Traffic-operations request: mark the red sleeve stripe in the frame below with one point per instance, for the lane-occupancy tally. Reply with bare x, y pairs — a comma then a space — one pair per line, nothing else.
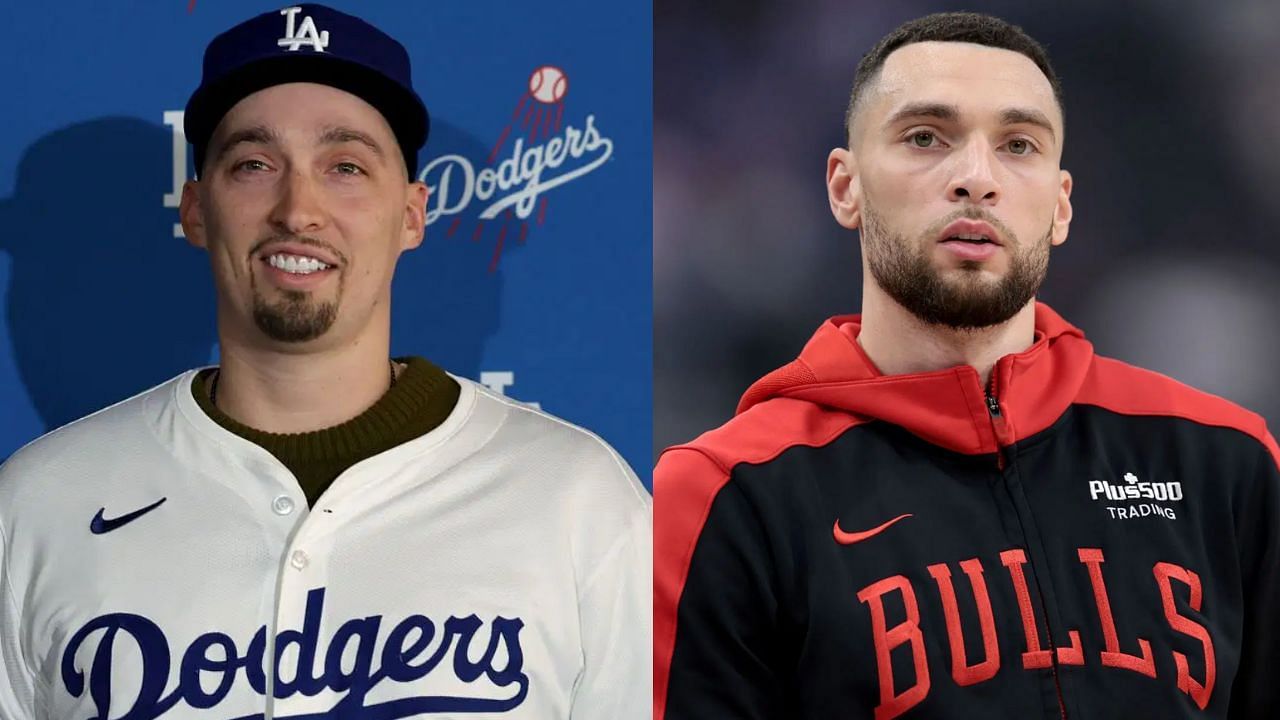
686, 482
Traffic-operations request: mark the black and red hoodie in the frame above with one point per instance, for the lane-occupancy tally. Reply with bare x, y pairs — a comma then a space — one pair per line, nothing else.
1078, 539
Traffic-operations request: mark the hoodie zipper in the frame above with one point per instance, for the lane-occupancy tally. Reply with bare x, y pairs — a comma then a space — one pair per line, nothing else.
998, 425
1001, 428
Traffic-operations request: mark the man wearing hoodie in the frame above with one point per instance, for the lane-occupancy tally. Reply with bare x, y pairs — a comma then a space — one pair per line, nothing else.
949, 506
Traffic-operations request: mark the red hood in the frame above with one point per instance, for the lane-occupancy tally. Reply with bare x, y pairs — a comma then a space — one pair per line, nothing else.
945, 407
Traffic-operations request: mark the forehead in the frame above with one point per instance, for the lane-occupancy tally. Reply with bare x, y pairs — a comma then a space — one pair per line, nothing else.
306, 107
970, 76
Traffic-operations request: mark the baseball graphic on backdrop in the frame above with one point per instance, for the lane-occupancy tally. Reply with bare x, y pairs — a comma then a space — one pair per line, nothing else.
548, 84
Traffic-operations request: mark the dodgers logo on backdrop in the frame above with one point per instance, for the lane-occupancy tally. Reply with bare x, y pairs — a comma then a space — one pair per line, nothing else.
304, 34
352, 661
538, 150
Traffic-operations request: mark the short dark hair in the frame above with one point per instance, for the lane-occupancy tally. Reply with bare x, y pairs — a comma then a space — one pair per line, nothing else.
964, 27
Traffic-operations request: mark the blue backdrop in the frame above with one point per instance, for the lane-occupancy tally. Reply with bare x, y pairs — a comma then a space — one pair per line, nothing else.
535, 275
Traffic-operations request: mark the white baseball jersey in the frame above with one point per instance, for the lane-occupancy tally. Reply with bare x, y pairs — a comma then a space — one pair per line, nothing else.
153, 563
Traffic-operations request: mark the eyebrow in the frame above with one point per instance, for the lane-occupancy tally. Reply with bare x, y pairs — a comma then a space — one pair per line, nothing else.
258, 134
951, 113
263, 135
924, 109
1027, 116
340, 135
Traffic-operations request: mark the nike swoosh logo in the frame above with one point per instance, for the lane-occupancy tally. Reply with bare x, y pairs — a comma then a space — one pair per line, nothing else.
100, 525
849, 538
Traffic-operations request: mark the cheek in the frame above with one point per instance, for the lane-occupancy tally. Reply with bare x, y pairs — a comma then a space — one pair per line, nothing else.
238, 215
904, 204
1039, 183
1047, 202
1031, 198
229, 239
374, 246
896, 178
363, 209
368, 236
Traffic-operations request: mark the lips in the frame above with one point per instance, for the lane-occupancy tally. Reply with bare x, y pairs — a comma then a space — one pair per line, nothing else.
971, 251
970, 231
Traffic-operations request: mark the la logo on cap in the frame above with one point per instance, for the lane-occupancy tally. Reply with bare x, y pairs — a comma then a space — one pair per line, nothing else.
306, 33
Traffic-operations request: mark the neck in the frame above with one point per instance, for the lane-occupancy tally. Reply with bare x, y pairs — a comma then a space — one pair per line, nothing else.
899, 343
295, 393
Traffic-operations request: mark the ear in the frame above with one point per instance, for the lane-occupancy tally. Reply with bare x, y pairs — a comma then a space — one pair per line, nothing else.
415, 216
191, 214
1062, 214
844, 188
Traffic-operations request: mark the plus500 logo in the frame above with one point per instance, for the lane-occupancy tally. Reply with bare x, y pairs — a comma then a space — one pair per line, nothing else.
1134, 489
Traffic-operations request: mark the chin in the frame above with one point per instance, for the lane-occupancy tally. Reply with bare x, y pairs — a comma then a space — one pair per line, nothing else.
969, 273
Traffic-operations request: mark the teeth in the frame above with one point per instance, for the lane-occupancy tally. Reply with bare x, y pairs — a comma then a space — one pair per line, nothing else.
972, 237
296, 264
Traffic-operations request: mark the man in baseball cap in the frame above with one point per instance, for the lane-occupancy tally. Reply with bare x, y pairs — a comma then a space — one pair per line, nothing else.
313, 529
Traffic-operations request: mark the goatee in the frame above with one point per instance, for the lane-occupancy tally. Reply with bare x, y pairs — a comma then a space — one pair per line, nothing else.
294, 319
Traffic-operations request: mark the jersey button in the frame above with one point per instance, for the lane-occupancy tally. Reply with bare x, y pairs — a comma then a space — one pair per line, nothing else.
283, 505
299, 559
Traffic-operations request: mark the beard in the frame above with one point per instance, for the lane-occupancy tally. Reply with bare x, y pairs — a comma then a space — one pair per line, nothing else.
294, 319
905, 271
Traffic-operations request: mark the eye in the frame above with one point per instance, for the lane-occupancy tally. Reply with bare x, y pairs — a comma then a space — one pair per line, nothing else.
348, 168
923, 139
253, 164
1020, 147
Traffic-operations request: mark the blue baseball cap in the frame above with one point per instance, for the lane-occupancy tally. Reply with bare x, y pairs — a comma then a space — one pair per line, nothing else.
308, 43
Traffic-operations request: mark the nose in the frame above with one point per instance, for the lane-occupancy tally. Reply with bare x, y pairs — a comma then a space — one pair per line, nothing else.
299, 209
974, 180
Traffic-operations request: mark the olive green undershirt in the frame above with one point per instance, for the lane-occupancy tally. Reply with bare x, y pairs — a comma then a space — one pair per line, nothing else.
422, 397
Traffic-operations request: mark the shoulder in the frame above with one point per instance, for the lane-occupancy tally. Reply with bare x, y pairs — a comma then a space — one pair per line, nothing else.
757, 436
1128, 390
574, 481
65, 455
689, 477
548, 445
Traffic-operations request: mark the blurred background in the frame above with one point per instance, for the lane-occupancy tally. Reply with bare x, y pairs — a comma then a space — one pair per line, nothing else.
1172, 112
